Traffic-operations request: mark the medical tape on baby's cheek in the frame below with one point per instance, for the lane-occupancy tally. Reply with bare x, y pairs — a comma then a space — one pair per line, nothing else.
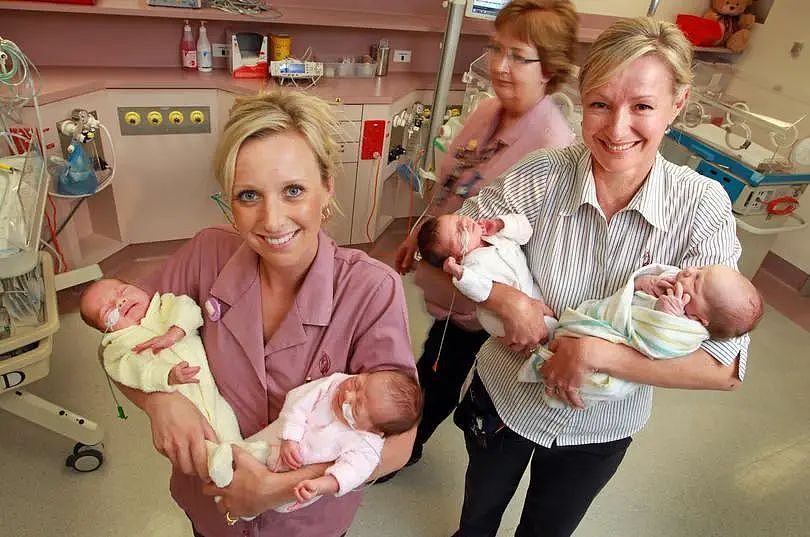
112, 318
347, 413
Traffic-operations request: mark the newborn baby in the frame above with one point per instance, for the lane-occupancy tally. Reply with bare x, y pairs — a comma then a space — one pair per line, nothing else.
173, 360
341, 418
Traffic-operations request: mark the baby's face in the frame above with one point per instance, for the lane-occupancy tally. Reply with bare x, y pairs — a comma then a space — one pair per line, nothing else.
451, 228
364, 393
706, 285
108, 295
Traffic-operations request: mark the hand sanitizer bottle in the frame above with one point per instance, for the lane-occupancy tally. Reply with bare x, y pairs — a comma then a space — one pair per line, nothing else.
203, 50
188, 50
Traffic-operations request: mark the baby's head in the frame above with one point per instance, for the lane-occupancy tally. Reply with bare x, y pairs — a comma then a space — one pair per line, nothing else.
443, 237
384, 402
102, 298
722, 299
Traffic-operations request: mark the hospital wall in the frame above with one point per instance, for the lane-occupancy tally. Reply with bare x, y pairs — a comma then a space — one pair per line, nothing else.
776, 84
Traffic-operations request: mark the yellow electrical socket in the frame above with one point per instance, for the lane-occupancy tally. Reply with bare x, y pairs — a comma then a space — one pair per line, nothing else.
132, 118
154, 117
196, 116
176, 117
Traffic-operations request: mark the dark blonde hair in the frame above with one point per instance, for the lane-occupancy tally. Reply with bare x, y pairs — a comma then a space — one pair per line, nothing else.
628, 40
276, 112
551, 27
403, 403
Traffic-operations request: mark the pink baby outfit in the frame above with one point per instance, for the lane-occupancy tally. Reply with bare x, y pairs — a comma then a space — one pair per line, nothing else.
308, 418
349, 316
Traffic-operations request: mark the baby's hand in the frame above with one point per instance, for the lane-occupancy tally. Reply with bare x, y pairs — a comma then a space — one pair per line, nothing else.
674, 301
490, 226
158, 343
656, 286
183, 373
290, 454
452, 267
306, 490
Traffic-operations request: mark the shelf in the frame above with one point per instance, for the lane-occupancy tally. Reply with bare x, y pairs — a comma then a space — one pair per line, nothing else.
590, 25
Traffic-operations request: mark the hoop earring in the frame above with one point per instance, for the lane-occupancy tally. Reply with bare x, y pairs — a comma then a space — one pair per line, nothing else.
326, 213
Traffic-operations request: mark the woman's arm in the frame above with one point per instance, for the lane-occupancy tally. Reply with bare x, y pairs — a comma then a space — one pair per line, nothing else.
522, 317
255, 489
396, 452
576, 358
179, 430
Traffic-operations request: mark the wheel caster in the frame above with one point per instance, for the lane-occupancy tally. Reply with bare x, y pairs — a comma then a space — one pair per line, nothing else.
84, 458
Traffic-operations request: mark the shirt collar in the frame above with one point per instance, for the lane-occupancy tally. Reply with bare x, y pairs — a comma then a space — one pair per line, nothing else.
649, 201
531, 121
313, 303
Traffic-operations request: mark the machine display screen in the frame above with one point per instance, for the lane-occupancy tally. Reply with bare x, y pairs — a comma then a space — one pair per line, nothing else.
292, 68
484, 9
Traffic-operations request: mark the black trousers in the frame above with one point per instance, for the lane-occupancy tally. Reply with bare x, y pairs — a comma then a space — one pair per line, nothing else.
443, 386
564, 480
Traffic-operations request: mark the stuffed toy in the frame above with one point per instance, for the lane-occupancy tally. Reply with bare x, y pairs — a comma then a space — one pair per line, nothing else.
736, 22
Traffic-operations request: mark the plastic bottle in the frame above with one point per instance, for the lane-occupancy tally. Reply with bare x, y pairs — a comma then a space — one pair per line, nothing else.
188, 50
203, 50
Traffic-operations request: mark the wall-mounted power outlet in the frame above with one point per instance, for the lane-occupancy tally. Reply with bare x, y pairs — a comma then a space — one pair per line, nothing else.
402, 56
220, 50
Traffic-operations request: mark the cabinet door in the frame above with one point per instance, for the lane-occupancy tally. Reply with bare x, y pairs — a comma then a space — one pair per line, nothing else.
339, 226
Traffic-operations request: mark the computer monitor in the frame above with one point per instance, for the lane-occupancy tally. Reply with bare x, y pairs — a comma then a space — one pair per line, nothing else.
484, 9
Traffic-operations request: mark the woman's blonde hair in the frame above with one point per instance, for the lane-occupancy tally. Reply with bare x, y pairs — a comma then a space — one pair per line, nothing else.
272, 113
629, 39
551, 27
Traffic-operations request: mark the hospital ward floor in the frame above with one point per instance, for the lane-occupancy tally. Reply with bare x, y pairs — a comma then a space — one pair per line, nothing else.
708, 463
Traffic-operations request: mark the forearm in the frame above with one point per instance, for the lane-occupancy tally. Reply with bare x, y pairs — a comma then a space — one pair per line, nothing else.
395, 453
278, 488
697, 371
502, 299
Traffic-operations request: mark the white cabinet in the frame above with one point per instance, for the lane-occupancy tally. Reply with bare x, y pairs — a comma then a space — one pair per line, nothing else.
339, 225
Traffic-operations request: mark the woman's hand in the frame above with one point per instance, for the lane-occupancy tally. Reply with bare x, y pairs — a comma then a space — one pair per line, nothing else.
253, 490
405, 261
567, 370
179, 432
522, 318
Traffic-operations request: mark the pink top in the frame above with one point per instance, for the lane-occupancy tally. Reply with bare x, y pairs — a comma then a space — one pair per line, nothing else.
349, 316
543, 126
308, 417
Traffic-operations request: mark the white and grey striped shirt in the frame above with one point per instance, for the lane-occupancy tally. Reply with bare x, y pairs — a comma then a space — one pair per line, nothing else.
678, 217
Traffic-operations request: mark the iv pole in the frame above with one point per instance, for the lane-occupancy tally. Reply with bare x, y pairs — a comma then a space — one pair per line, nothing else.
455, 17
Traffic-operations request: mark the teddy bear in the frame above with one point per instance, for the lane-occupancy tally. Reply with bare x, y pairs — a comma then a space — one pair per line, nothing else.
735, 21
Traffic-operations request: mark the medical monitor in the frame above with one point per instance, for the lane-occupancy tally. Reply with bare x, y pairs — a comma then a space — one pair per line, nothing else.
484, 9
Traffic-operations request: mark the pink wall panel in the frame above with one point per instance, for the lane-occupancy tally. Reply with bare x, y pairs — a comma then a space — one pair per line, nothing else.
105, 40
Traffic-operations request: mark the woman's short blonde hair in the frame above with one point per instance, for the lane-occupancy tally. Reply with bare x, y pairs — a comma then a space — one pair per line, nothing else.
629, 39
272, 113
551, 27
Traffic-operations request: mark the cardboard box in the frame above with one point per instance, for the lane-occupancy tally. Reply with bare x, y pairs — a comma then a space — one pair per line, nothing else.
248, 57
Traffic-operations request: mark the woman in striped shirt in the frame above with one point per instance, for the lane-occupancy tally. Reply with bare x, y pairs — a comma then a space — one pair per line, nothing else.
600, 211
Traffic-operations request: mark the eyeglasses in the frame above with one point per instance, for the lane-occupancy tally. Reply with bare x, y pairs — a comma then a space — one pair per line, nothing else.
496, 52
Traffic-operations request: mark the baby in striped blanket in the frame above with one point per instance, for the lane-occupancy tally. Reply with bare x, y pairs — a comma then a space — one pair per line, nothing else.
663, 312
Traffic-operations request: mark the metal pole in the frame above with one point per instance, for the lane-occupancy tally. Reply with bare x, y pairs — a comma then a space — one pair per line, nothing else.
455, 16
653, 7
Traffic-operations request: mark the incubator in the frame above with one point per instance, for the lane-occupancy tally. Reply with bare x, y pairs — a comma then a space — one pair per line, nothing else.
28, 312
759, 160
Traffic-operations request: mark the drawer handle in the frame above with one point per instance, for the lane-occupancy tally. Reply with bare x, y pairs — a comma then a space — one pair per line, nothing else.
342, 148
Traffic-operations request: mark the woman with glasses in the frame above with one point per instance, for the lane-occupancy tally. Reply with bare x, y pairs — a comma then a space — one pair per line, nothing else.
531, 55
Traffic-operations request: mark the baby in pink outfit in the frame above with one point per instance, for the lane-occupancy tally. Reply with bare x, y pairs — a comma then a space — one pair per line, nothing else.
341, 418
